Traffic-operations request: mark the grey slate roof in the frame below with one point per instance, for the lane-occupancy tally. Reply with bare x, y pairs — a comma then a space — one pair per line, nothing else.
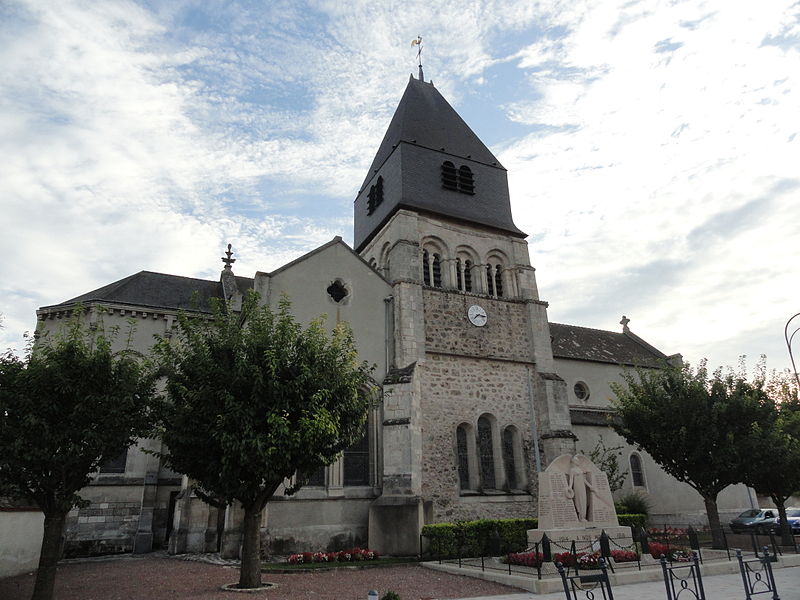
158, 290
425, 118
583, 343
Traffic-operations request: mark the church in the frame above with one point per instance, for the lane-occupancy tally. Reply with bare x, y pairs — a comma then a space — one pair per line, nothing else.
480, 390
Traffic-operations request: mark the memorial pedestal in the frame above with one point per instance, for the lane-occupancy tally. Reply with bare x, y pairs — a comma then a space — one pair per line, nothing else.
620, 534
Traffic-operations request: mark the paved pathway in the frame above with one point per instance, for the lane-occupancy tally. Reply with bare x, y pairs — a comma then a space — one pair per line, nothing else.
717, 587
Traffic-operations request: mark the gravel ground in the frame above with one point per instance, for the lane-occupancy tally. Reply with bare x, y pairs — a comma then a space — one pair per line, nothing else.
159, 578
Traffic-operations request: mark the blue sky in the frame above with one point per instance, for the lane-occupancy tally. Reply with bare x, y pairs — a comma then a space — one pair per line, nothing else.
652, 146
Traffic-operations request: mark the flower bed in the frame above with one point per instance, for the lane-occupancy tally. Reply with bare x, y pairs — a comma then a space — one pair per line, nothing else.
352, 555
672, 552
584, 560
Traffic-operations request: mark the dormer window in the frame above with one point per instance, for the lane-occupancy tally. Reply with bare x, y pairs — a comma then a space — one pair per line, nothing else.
458, 180
449, 176
375, 196
466, 185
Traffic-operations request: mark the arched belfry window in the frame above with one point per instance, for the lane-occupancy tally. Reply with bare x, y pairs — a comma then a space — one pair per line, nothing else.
457, 179
375, 196
426, 272
486, 454
467, 275
494, 280
436, 270
449, 176
466, 183
637, 472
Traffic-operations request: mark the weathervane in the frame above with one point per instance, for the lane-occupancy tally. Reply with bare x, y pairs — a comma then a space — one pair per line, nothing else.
228, 261
418, 43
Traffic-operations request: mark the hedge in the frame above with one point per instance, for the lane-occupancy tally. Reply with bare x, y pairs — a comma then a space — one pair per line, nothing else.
484, 537
491, 537
633, 521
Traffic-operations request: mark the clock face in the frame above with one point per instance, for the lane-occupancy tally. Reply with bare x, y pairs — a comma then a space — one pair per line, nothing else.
477, 316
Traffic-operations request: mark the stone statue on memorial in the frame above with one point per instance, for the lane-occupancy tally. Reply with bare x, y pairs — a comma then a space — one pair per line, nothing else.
579, 489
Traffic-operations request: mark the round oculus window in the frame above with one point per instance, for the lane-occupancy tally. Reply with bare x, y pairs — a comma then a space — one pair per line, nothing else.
581, 391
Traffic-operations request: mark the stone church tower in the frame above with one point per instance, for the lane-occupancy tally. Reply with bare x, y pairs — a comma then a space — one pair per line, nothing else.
472, 404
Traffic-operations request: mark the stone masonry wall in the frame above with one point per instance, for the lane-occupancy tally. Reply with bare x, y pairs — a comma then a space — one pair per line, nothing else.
448, 330
470, 371
101, 528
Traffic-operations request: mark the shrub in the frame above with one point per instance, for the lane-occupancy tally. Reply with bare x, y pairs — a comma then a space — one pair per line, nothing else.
477, 538
390, 595
634, 521
633, 503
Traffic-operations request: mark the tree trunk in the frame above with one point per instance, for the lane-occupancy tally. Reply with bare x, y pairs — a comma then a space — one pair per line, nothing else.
717, 537
250, 574
786, 528
49, 556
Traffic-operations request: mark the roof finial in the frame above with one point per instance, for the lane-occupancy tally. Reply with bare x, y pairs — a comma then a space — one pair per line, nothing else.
624, 322
418, 43
229, 261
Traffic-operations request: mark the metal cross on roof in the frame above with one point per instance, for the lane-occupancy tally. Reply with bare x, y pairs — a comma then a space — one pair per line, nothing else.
228, 261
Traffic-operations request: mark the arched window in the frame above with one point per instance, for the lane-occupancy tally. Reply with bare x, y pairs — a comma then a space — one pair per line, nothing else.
426, 272
375, 196
462, 450
467, 275
459, 277
486, 454
466, 183
356, 462
637, 472
436, 271
498, 281
509, 458
449, 176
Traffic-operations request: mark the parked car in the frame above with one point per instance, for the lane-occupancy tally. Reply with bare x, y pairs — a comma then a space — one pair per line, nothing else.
759, 520
793, 516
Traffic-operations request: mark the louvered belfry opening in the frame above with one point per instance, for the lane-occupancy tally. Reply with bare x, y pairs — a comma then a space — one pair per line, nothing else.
449, 176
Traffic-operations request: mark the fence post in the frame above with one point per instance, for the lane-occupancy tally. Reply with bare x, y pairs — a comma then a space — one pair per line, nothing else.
643, 540
547, 554
694, 543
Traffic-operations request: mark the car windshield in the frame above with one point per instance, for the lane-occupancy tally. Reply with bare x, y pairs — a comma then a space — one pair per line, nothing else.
793, 512
748, 514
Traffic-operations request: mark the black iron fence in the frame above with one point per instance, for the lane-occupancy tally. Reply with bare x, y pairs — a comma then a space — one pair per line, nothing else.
645, 546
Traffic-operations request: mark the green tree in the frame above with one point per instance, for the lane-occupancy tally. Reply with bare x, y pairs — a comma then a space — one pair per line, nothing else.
70, 405
698, 427
774, 466
255, 399
607, 460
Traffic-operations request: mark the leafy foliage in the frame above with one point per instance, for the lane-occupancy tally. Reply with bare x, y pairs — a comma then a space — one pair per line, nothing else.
698, 427
66, 408
255, 399
607, 460
774, 466
633, 502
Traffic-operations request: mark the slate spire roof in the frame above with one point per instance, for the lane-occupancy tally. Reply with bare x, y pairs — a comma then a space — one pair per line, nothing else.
426, 119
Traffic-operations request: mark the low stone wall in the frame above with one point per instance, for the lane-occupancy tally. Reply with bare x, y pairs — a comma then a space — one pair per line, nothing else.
20, 540
101, 528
